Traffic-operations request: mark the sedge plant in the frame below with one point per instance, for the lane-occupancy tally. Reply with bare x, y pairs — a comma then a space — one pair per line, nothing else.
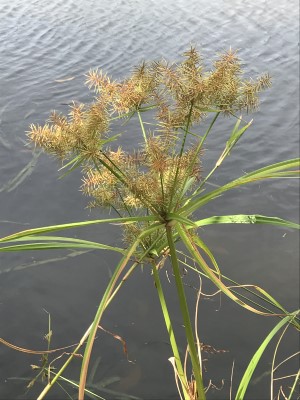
156, 189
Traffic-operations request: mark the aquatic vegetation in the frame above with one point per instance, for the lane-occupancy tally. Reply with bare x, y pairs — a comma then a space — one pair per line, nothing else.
156, 188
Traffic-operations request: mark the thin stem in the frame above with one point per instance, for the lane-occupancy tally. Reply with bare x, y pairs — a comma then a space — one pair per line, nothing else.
185, 315
94, 395
198, 149
273, 361
124, 204
135, 264
114, 208
142, 127
162, 187
124, 182
101, 161
126, 276
294, 385
201, 143
180, 154
210, 273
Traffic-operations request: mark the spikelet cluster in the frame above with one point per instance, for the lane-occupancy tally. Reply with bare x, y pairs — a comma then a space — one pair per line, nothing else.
130, 94
178, 91
155, 177
81, 133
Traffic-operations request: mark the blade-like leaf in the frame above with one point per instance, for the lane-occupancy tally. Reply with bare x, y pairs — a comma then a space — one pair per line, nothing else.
109, 289
246, 219
53, 242
75, 163
211, 274
203, 246
234, 138
53, 228
282, 169
255, 359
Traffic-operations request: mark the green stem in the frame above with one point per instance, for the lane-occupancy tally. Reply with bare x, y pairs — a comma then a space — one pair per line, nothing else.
200, 145
180, 371
180, 155
185, 315
124, 182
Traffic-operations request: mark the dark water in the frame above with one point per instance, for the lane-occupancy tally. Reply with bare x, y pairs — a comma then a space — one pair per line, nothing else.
43, 41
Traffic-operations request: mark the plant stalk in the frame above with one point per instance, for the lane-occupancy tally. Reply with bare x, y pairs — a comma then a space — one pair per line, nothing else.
180, 371
186, 316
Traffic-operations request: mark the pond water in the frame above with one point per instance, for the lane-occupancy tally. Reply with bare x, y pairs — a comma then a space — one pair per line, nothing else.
43, 43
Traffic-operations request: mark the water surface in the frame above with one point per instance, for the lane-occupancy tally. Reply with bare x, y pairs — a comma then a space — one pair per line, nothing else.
44, 42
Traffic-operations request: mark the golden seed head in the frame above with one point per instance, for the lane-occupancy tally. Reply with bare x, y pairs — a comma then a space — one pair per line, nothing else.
152, 176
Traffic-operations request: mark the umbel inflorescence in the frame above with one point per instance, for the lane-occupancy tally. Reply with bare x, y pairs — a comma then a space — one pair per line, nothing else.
157, 176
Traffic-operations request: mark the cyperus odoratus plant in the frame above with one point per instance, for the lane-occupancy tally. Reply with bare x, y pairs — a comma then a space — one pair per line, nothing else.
155, 188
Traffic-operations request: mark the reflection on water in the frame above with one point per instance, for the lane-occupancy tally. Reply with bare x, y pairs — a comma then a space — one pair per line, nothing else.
46, 48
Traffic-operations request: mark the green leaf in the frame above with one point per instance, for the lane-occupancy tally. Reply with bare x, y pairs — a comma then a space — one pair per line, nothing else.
191, 246
278, 170
71, 162
104, 301
246, 219
53, 228
234, 138
147, 108
54, 242
187, 185
255, 359
204, 247
296, 381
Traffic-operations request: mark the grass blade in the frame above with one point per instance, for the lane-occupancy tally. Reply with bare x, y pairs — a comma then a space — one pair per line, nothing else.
105, 299
255, 359
53, 242
246, 219
53, 228
279, 170
211, 274
294, 385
